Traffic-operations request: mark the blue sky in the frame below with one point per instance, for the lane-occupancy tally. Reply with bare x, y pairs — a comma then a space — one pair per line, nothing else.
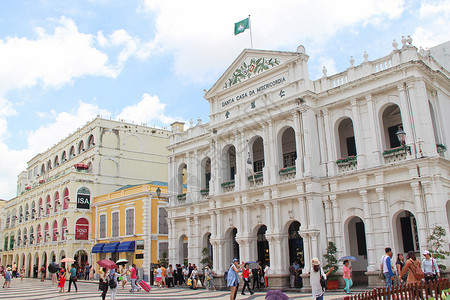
148, 61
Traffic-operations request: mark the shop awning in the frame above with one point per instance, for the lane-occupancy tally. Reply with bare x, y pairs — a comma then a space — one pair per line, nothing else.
126, 246
98, 248
111, 247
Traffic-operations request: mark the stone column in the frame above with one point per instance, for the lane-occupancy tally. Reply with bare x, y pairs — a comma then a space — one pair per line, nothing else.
375, 149
369, 232
214, 159
241, 160
298, 145
267, 160
360, 151
273, 152
420, 217
386, 228
337, 221
405, 110
328, 218
330, 143
304, 115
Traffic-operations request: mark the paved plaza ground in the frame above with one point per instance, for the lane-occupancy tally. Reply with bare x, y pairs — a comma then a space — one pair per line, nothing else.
30, 289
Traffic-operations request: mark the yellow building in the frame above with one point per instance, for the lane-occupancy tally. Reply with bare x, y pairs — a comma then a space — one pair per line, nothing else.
131, 223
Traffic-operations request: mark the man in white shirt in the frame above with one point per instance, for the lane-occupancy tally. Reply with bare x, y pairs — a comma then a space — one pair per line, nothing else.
430, 267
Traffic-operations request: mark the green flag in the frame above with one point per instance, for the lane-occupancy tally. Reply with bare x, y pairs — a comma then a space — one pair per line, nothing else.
241, 26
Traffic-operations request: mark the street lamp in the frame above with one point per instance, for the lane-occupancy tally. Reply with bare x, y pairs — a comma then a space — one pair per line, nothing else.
158, 192
401, 135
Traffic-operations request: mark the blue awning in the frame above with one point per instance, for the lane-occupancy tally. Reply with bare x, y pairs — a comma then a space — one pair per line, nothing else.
111, 247
126, 247
98, 248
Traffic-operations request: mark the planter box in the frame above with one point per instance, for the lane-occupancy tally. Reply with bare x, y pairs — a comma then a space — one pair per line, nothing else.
332, 284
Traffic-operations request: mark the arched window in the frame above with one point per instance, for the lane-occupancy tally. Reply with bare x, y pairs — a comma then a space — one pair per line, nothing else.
8, 220
25, 236
56, 203
64, 157
31, 235
42, 169
20, 214
55, 232
41, 209
83, 198
38, 234
72, 152
288, 148
91, 141
49, 165
66, 198
347, 145
48, 205
19, 238
33, 210
46, 232
56, 161
27, 212
64, 229
392, 122
81, 147
82, 229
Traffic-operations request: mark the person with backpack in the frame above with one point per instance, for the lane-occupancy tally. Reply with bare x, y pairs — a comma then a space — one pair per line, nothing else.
113, 282
413, 266
103, 284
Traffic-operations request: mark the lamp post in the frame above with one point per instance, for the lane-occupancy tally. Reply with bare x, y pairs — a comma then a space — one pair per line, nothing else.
401, 135
158, 192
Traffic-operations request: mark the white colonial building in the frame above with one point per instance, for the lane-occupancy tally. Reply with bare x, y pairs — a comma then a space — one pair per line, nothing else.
51, 217
287, 164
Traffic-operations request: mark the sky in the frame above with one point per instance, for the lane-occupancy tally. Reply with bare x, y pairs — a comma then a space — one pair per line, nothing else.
64, 62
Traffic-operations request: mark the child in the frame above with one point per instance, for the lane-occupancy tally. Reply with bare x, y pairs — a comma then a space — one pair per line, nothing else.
62, 280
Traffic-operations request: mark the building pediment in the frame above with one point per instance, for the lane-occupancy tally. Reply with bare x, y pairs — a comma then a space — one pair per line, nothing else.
248, 65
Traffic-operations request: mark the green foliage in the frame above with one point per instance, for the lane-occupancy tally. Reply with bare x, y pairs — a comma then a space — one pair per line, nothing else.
163, 261
331, 260
444, 295
436, 241
207, 260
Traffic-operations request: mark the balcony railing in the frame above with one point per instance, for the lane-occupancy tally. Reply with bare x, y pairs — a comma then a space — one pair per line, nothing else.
395, 154
228, 186
204, 192
347, 164
181, 197
287, 173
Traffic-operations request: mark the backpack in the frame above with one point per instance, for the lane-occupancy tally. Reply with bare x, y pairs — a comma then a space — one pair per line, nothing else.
417, 272
112, 283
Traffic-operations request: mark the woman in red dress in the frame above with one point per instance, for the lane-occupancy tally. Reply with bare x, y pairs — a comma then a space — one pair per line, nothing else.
62, 279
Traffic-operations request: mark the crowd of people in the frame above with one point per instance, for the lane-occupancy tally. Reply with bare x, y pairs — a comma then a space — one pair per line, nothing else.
254, 277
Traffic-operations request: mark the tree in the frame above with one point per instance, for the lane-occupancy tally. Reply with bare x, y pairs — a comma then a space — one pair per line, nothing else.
436, 241
207, 260
163, 261
331, 261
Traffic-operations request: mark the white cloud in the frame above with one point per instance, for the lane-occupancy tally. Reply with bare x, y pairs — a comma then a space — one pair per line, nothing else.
200, 34
435, 25
148, 110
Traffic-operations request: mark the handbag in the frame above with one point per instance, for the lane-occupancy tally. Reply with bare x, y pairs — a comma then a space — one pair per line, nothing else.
189, 282
323, 281
381, 275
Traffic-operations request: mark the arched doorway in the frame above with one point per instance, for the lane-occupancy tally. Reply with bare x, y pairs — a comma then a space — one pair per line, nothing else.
36, 265
263, 246
207, 250
183, 249
356, 241
81, 257
234, 245
405, 232
296, 245
29, 268
44, 260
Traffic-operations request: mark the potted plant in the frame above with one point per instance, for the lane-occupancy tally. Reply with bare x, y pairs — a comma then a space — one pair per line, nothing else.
332, 279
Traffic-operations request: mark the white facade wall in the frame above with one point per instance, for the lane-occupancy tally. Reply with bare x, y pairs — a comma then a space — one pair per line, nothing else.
326, 195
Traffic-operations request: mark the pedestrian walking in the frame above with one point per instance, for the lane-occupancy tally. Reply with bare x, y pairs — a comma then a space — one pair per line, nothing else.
87, 268
347, 276
185, 274
315, 274
209, 279
399, 264
91, 273
412, 266
233, 278
14, 270
54, 279
22, 273
35, 271
104, 283
42, 271
124, 274
266, 279
158, 275
73, 278
62, 280
430, 269
163, 276
246, 277
256, 273
8, 275
194, 277
113, 282
133, 277
387, 267
170, 274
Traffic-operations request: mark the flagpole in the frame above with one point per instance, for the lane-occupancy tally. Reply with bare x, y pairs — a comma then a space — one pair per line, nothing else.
250, 25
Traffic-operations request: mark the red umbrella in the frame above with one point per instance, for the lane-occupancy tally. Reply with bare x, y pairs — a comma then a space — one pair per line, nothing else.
106, 263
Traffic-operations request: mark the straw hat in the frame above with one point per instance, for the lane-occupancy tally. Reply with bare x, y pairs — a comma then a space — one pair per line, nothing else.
315, 261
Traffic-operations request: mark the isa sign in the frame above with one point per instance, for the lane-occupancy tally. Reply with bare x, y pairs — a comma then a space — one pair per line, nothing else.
83, 201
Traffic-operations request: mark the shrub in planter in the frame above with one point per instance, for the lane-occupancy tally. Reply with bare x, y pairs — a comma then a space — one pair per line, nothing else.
331, 261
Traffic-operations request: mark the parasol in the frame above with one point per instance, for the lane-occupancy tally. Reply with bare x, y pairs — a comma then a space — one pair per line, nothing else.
108, 264
53, 267
121, 261
350, 258
252, 264
67, 259
276, 295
